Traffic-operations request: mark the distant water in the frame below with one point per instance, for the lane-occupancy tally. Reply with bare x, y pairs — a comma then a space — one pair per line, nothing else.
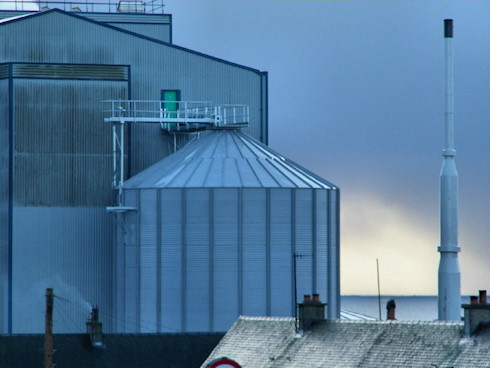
408, 308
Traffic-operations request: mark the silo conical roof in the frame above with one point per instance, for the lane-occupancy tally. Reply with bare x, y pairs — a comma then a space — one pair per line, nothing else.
226, 158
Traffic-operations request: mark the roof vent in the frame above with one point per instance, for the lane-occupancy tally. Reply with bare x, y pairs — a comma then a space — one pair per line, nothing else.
94, 329
476, 314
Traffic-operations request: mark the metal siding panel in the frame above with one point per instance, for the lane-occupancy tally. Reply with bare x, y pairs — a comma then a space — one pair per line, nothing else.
120, 230
69, 250
131, 197
172, 257
4, 72
321, 242
154, 66
225, 262
197, 260
158, 31
60, 38
62, 143
333, 308
126, 229
148, 260
129, 311
303, 231
254, 263
281, 253
4, 203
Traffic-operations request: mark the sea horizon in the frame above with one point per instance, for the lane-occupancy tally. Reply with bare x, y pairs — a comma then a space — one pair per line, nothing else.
408, 307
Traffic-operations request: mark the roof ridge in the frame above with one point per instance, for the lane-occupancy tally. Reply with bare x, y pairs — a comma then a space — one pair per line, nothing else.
344, 321
265, 318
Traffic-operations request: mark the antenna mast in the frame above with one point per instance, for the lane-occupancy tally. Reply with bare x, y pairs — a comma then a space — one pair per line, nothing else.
449, 288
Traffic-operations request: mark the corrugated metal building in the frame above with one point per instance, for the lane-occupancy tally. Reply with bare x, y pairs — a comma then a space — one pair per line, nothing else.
55, 154
222, 228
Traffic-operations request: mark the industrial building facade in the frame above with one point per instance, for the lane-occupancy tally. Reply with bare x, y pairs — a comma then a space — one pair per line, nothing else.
56, 153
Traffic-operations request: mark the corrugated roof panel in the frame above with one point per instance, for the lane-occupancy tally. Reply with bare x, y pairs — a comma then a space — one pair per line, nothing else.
226, 158
231, 175
197, 179
297, 176
266, 177
248, 181
179, 176
214, 176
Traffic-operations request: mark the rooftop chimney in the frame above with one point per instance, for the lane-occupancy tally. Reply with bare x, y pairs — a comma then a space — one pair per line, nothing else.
476, 314
310, 311
483, 297
390, 310
94, 328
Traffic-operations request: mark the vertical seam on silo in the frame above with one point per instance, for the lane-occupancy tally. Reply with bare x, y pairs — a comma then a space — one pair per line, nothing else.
211, 259
159, 260
122, 298
183, 261
268, 250
293, 245
337, 250
10, 201
314, 241
138, 260
240, 251
331, 252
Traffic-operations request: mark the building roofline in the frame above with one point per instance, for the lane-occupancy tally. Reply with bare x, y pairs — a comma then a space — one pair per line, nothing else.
70, 14
364, 322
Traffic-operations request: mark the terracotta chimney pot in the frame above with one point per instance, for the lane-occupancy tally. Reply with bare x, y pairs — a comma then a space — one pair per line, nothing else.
483, 297
390, 308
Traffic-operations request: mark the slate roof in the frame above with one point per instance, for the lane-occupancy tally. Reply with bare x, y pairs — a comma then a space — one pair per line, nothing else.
122, 350
226, 158
272, 342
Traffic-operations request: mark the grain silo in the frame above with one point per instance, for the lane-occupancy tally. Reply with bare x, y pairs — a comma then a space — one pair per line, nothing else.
224, 227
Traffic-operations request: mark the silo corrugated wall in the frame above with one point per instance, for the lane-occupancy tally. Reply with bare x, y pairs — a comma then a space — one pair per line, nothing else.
204, 256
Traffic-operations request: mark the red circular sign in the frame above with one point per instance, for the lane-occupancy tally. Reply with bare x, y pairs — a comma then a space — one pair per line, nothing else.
224, 363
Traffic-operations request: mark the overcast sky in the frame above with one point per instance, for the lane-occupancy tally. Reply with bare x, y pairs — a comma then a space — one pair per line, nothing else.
356, 94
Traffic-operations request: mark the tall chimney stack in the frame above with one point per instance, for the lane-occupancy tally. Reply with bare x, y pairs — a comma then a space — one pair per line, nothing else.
449, 288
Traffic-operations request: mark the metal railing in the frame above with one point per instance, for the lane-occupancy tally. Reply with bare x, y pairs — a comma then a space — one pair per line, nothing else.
107, 6
177, 115
173, 116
